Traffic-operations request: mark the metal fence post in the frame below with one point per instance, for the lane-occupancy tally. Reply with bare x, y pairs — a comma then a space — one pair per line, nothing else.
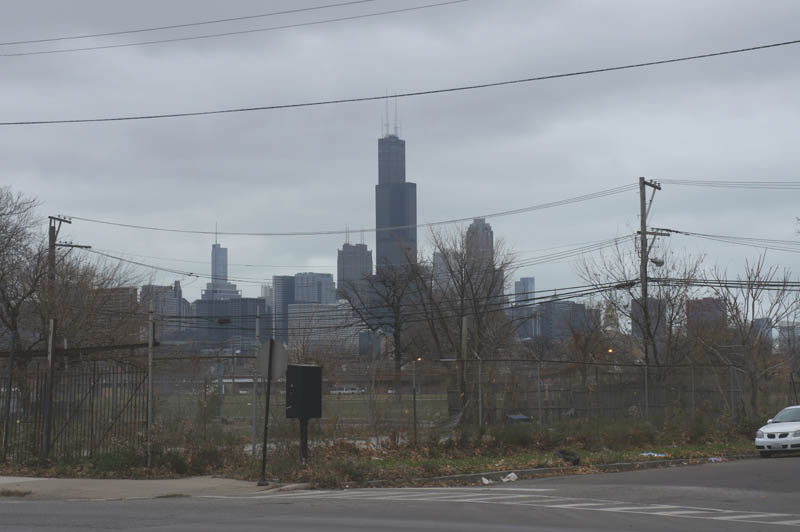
730, 379
646, 394
539, 390
48, 399
150, 386
694, 408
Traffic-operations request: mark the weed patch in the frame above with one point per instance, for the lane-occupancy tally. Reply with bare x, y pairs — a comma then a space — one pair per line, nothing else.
14, 493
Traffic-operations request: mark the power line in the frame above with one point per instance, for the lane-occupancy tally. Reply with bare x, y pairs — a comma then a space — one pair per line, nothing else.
765, 185
185, 25
553, 257
791, 246
231, 33
409, 94
540, 206
515, 254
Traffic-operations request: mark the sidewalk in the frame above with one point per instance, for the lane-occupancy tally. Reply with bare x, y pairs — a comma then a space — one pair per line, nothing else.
109, 489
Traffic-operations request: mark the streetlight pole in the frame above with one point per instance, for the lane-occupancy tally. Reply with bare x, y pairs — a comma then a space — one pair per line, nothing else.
414, 395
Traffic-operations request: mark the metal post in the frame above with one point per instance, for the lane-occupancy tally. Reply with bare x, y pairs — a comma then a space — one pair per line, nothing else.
255, 381
9, 388
694, 409
480, 390
263, 479
646, 394
414, 398
150, 334
539, 390
48, 400
304, 439
730, 379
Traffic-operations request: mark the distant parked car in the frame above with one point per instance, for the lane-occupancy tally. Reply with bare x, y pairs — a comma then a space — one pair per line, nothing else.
780, 434
346, 390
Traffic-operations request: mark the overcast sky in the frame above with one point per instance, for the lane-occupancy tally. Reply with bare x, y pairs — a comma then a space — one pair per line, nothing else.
470, 153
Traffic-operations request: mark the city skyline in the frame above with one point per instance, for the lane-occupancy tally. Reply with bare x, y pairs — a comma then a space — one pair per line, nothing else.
470, 153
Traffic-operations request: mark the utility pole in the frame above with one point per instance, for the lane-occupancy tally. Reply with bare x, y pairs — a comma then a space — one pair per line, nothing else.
644, 252
52, 241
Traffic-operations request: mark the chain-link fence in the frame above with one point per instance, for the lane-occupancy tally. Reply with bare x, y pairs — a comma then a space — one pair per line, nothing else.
201, 400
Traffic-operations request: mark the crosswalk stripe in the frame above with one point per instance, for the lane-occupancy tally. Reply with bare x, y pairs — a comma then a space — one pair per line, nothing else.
739, 516
577, 505
684, 512
636, 508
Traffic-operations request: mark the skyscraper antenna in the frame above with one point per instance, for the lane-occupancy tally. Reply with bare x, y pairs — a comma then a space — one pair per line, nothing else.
396, 133
362, 236
346, 234
215, 233
386, 122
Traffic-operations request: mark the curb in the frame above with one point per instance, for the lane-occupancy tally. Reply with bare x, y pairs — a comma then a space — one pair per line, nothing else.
496, 476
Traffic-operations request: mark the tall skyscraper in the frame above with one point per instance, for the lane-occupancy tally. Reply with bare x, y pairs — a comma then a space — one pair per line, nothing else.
395, 206
282, 297
219, 288
312, 287
480, 240
354, 264
524, 310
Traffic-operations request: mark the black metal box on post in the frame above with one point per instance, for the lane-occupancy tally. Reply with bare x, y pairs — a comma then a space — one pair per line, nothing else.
303, 398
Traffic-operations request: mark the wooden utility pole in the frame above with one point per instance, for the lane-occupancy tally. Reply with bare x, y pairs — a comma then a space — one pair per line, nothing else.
52, 243
643, 300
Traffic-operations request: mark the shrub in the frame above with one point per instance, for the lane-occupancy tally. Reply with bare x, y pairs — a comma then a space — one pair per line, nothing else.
122, 459
174, 462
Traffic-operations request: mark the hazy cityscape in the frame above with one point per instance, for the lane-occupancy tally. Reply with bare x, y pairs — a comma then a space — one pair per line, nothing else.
382, 265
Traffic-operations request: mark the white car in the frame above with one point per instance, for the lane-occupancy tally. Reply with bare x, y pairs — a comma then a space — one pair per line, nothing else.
781, 433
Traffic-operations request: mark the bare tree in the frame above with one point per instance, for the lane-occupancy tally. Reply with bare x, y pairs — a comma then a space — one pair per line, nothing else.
385, 303
762, 292
461, 287
659, 322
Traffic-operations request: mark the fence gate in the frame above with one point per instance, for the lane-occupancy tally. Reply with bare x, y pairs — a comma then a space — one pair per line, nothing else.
96, 407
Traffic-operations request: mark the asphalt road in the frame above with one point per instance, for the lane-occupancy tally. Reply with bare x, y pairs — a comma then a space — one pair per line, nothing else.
746, 495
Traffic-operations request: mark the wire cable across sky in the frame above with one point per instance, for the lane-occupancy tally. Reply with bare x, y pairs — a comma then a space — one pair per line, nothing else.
231, 33
428, 92
185, 25
577, 199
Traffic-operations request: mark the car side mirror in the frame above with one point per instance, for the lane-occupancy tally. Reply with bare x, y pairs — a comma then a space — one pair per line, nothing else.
769, 421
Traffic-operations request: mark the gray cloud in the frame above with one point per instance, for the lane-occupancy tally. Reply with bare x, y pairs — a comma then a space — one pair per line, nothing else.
470, 153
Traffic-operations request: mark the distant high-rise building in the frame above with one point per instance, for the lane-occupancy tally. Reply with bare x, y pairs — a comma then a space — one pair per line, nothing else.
524, 311
266, 293
762, 333
117, 321
310, 287
282, 297
524, 290
789, 337
706, 315
656, 314
219, 288
395, 206
558, 320
167, 303
232, 321
445, 267
480, 240
353, 265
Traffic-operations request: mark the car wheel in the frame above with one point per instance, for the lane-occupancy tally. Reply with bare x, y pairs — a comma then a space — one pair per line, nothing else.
765, 454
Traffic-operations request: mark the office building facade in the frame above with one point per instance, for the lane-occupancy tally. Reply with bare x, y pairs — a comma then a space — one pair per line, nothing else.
395, 206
